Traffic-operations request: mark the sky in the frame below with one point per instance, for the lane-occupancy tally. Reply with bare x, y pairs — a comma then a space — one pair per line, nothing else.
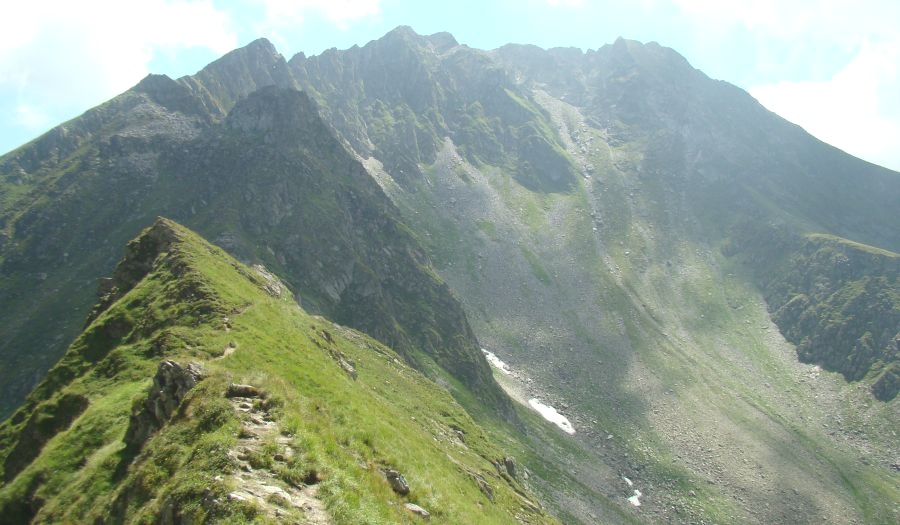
831, 66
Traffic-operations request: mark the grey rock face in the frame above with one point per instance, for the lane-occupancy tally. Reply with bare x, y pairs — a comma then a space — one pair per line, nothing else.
139, 258
170, 386
273, 286
510, 465
397, 482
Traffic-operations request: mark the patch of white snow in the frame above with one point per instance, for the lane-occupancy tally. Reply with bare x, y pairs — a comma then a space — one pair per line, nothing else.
636, 499
496, 362
550, 414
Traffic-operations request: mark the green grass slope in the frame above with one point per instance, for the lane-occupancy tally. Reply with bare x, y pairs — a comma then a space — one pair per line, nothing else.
268, 181
340, 409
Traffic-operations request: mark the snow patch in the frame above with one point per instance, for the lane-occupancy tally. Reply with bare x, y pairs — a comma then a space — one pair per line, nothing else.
636, 499
496, 362
550, 414
546, 411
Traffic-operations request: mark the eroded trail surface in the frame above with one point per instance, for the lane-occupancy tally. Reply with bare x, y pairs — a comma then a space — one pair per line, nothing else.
260, 444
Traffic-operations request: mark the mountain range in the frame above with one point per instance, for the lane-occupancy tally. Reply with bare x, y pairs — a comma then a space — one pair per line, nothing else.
706, 294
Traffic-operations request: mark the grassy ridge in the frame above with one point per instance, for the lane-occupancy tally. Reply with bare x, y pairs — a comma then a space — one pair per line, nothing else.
193, 303
270, 183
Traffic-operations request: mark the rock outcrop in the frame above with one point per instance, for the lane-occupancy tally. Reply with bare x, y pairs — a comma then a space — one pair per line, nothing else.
397, 482
170, 386
139, 257
838, 303
239, 390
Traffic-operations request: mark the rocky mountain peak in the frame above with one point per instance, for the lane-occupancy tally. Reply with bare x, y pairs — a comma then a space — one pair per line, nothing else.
256, 57
628, 235
262, 46
273, 109
154, 83
402, 34
239, 73
169, 94
442, 41
404, 39
650, 58
405, 36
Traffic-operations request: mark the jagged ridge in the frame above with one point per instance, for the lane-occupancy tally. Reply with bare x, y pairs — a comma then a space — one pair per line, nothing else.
325, 432
268, 181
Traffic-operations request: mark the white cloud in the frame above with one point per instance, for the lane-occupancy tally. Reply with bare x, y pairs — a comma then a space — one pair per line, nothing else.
796, 38
282, 13
834, 19
857, 110
279, 20
838, 60
32, 117
58, 57
60, 54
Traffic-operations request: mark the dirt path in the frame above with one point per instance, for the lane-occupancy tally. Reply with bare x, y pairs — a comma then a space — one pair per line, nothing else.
281, 501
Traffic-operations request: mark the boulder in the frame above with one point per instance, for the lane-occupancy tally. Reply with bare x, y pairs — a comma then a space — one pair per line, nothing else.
238, 390
417, 510
397, 482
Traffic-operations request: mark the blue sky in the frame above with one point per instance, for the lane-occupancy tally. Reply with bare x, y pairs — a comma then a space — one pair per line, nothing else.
832, 66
